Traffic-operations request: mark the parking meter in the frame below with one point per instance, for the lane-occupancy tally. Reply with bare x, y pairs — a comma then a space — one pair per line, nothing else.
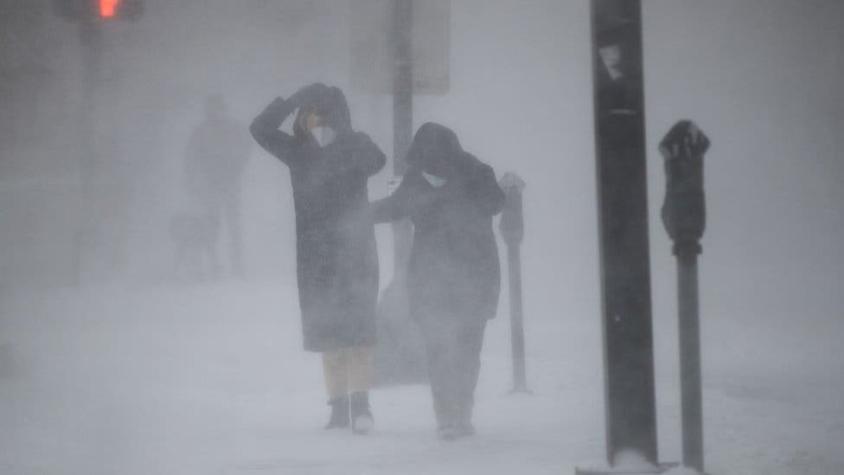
684, 208
684, 217
512, 224
512, 229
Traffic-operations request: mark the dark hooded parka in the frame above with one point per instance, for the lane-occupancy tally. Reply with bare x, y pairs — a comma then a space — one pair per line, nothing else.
453, 270
335, 242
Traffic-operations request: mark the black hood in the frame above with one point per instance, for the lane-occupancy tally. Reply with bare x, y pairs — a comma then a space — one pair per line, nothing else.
435, 149
331, 105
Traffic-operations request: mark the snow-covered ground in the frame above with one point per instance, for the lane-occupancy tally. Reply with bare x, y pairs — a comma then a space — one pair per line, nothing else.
211, 379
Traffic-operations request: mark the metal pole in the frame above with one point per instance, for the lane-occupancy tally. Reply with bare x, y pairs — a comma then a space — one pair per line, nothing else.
623, 228
512, 231
690, 366
684, 218
402, 120
91, 40
517, 329
401, 355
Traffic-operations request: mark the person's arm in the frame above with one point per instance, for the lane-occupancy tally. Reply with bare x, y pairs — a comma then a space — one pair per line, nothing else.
362, 156
369, 159
265, 129
394, 207
482, 189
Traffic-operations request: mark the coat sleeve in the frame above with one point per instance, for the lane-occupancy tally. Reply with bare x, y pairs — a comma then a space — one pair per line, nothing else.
361, 157
369, 159
396, 206
483, 190
265, 130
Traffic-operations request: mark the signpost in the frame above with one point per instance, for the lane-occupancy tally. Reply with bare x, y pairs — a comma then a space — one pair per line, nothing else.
401, 48
373, 44
623, 232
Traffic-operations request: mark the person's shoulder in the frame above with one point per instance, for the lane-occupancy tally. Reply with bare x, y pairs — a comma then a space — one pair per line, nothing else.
475, 164
359, 138
362, 141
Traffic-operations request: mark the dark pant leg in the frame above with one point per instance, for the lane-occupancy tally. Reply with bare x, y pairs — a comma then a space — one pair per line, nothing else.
213, 223
469, 341
439, 350
233, 226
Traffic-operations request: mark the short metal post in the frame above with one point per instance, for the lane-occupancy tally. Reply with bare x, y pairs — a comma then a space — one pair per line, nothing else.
690, 367
512, 230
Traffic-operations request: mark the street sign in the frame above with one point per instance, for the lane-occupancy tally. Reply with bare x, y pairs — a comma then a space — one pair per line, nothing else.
373, 55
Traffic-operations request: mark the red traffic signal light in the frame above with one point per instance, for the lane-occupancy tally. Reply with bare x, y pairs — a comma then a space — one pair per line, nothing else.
108, 8
89, 10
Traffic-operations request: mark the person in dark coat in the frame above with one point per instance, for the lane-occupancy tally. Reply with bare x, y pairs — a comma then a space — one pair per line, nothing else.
453, 275
216, 158
330, 165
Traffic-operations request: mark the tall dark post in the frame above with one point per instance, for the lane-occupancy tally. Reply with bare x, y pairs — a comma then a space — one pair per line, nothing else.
402, 119
684, 217
512, 229
623, 228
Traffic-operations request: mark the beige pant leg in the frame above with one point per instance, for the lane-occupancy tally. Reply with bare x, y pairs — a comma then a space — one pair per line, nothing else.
335, 369
360, 364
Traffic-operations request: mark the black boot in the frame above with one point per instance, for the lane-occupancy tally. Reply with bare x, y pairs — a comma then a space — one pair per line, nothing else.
362, 420
339, 413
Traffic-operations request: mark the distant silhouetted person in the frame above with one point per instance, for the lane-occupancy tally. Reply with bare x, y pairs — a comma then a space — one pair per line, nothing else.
217, 154
330, 165
453, 275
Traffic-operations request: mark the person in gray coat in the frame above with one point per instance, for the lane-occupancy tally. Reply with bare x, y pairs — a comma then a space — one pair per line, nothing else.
453, 277
337, 265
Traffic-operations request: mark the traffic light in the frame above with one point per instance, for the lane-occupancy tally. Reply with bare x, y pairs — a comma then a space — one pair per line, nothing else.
108, 8
104, 10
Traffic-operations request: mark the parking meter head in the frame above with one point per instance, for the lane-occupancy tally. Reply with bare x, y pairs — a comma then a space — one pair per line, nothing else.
685, 140
511, 225
684, 208
511, 181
